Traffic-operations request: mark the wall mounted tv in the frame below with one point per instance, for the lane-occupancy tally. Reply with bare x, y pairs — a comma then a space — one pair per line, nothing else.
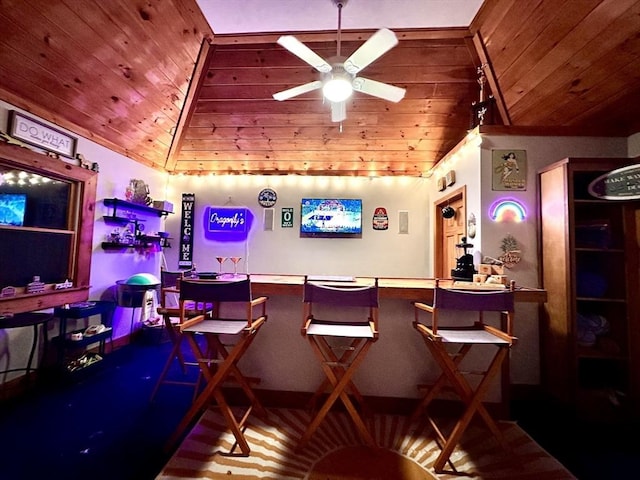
331, 217
12, 208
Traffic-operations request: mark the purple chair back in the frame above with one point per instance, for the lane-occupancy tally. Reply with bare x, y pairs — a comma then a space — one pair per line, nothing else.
211, 291
485, 301
347, 296
170, 279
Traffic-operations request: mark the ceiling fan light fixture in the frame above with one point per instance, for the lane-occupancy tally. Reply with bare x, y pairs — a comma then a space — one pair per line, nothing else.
337, 88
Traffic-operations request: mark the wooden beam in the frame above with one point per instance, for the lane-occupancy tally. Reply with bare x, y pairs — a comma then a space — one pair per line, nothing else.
197, 80
491, 78
346, 35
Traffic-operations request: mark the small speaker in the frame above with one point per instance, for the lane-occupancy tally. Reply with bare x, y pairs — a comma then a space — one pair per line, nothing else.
268, 219
403, 221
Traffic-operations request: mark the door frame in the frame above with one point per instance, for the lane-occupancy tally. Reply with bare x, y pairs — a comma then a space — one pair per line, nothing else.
455, 195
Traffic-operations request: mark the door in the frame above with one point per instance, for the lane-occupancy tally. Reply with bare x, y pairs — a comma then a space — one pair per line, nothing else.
449, 232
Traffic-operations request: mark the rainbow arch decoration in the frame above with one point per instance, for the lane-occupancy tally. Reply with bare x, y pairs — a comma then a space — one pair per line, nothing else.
507, 210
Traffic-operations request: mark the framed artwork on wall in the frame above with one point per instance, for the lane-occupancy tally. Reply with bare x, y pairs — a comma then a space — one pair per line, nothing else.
509, 170
35, 133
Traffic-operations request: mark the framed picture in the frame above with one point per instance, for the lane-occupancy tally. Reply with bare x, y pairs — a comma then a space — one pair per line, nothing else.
509, 169
39, 135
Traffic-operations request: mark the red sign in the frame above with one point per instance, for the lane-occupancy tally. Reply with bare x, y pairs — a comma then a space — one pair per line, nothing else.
380, 219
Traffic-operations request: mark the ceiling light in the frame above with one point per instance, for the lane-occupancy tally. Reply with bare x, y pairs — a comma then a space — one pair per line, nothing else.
338, 88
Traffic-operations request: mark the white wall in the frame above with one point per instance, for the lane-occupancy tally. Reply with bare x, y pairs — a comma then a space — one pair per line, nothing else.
378, 253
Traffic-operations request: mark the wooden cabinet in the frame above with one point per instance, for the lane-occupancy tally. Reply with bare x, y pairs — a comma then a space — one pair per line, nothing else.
590, 331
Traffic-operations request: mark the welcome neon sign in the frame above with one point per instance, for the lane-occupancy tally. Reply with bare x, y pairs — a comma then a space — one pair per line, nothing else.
507, 210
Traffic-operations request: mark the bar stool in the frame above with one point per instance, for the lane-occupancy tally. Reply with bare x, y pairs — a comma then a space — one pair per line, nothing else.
340, 361
227, 337
169, 309
449, 345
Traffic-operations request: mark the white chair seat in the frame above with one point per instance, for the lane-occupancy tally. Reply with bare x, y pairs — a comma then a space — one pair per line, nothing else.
220, 327
337, 330
469, 336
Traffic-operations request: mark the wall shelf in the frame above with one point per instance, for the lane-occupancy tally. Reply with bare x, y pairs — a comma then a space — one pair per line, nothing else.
116, 204
122, 216
120, 221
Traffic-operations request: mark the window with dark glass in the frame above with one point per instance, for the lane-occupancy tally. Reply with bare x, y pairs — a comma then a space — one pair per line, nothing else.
37, 227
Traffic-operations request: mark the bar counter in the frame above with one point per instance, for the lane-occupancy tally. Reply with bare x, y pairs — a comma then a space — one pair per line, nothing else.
400, 288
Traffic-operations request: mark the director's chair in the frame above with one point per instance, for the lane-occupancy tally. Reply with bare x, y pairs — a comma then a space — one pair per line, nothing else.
450, 345
227, 339
340, 358
169, 310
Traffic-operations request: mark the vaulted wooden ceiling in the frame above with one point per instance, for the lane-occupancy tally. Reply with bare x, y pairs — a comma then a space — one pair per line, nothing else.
150, 80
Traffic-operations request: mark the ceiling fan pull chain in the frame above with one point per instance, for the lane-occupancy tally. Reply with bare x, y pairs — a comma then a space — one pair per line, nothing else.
339, 4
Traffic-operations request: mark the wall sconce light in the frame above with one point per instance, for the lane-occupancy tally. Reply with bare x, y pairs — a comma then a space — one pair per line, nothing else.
507, 210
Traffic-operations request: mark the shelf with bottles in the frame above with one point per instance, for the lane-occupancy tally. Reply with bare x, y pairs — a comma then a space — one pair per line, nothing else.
134, 237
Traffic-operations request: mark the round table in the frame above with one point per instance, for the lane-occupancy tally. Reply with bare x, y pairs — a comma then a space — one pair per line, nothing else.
26, 319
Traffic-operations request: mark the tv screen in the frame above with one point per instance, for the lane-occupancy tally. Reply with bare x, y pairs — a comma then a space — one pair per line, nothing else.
12, 208
331, 217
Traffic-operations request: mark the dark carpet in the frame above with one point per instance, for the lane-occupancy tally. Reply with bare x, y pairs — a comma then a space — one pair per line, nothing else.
96, 425
101, 425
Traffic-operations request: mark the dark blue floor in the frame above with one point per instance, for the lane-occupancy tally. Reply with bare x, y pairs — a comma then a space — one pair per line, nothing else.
98, 426
101, 425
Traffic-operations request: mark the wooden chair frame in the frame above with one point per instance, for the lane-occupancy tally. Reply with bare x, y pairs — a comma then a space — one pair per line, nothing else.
219, 360
339, 368
439, 341
170, 285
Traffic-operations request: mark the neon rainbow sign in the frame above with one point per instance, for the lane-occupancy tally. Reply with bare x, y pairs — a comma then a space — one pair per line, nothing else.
507, 210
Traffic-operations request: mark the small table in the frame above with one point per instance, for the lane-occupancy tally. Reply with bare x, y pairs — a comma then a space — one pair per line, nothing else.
27, 319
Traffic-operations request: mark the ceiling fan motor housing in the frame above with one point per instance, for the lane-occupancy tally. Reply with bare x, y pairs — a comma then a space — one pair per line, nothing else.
337, 84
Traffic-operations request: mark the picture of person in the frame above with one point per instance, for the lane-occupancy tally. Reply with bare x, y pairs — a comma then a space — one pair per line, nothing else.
510, 163
509, 169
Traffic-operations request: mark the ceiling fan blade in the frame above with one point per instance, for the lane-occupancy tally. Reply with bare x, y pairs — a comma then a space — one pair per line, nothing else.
338, 111
299, 90
378, 89
303, 52
380, 43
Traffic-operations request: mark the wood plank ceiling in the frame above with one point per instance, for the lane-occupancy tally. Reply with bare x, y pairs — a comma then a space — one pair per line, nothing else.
118, 72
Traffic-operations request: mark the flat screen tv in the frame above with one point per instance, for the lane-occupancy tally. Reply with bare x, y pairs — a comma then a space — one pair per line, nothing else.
12, 208
331, 217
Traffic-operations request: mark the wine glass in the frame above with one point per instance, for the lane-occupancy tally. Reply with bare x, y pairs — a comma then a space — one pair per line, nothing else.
235, 261
221, 260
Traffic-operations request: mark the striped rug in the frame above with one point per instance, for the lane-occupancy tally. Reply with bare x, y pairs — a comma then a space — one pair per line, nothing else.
335, 452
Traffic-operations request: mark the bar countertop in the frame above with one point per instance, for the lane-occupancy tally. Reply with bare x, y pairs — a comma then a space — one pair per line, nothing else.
401, 288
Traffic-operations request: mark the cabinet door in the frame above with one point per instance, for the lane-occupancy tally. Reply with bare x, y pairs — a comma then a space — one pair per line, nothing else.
557, 368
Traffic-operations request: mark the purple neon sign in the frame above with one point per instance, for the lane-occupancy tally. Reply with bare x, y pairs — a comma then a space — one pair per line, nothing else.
227, 224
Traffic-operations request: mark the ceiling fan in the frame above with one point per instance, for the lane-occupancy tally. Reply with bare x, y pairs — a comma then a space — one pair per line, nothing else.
339, 78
